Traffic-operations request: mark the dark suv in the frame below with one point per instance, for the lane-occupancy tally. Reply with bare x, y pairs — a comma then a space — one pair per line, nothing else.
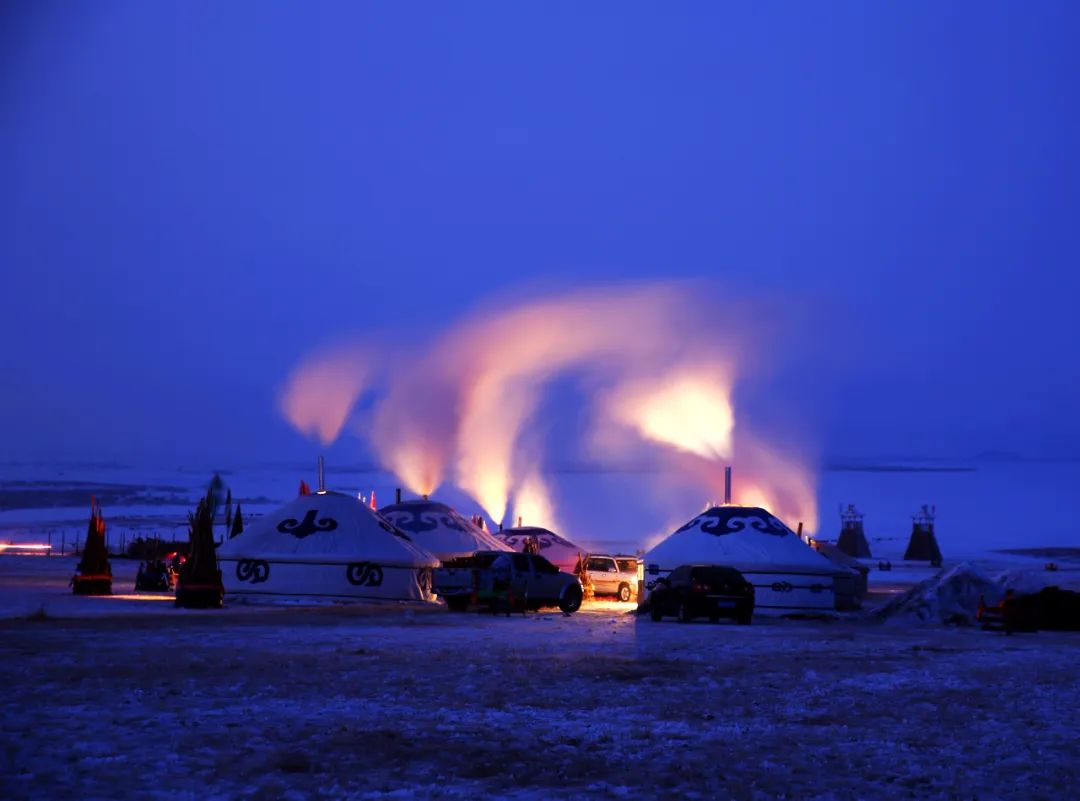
496, 577
710, 591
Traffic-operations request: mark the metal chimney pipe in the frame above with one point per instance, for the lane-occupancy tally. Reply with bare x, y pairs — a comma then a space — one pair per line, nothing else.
397, 495
727, 485
322, 475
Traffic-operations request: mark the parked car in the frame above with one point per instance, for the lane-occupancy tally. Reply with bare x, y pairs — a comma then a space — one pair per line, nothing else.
155, 576
711, 591
1050, 609
613, 575
506, 579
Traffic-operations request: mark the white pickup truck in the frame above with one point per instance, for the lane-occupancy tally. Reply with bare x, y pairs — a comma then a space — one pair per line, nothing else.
503, 578
613, 575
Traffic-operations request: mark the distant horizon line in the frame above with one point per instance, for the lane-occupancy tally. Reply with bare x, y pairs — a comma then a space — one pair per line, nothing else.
895, 464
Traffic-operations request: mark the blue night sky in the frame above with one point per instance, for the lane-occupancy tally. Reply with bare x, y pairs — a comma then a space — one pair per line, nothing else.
194, 195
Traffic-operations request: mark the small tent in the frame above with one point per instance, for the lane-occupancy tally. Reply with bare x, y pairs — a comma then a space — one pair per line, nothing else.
94, 574
852, 539
559, 551
923, 545
237, 527
199, 584
326, 545
788, 575
440, 529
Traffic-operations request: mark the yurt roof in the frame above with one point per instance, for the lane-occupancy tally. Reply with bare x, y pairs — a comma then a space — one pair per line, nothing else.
838, 557
555, 549
440, 529
327, 527
743, 537
519, 533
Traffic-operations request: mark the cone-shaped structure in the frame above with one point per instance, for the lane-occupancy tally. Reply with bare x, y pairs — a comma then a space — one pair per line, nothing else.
440, 529
94, 573
788, 575
327, 545
852, 539
198, 585
559, 551
237, 523
923, 545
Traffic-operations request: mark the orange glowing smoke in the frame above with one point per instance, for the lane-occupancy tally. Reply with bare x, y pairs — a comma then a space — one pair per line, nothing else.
493, 413
532, 504
461, 408
689, 409
762, 476
778, 482
321, 392
413, 426
505, 361
657, 362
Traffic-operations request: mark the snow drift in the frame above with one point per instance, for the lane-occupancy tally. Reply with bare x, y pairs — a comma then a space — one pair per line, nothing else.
952, 596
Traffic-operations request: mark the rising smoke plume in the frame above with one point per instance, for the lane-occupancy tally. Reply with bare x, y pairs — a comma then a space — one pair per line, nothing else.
658, 362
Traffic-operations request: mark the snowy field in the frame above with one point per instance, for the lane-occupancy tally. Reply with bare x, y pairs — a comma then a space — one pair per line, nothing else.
129, 698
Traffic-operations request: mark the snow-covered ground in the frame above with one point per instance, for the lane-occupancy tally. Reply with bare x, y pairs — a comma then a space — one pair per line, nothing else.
129, 698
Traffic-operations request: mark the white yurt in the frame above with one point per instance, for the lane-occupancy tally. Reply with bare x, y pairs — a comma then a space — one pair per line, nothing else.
559, 551
326, 545
439, 529
789, 576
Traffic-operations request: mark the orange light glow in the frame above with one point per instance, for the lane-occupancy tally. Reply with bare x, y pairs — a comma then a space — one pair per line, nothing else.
689, 410
656, 364
763, 477
412, 430
533, 504
140, 596
321, 392
494, 412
